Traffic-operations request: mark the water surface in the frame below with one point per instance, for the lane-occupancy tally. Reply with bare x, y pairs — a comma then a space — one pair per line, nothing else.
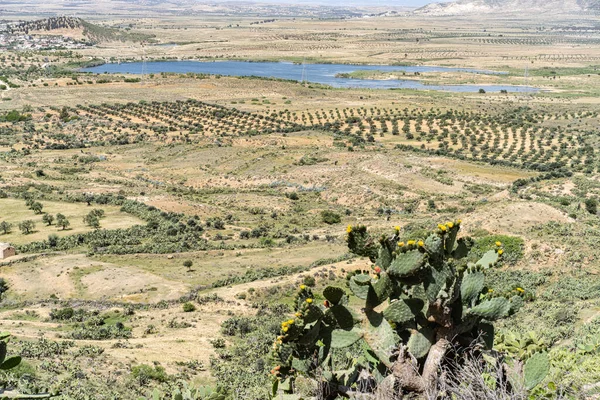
318, 73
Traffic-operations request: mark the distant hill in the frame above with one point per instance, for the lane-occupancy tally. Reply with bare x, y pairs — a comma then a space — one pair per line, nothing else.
530, 7
69, 25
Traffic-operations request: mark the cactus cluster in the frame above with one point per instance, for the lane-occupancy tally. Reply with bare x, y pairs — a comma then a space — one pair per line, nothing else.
421, 297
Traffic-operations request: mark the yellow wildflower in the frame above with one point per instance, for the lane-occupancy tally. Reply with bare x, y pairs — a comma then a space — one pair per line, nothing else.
500, 252
498, 243
421, 244
309, 301
349, 228
411, 242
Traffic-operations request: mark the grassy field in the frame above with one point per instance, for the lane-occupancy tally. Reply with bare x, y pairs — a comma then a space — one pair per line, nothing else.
15, 211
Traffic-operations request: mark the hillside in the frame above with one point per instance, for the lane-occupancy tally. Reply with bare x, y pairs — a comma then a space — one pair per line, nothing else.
71, 26
531, 7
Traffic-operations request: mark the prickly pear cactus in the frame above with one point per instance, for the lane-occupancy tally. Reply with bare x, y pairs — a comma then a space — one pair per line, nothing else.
420, 297
536, 369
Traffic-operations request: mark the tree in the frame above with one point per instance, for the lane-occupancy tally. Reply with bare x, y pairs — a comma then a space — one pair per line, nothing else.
27, 226
92, 220
48, 219
37, 207
188, 264
5, 227
62, 221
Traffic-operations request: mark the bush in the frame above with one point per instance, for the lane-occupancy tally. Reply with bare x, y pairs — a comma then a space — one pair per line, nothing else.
62, 314
309, 281
144, 373
591, 205
330, 217
189, 307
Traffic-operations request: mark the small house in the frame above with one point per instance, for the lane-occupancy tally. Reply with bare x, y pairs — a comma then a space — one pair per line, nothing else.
6, 250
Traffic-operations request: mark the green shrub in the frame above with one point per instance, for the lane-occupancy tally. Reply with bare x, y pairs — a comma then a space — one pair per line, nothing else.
189, 307
330, 217
144, 373
309, 281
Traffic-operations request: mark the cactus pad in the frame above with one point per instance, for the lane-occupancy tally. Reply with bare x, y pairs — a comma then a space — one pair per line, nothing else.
385, 258
399, 312
420, 342
536, 369
489, 259
463, 246
434, 245
380, 336
472, 285
359, 285
334, 294
438, 281
493, 309
379, 291
450, 240
407, 264
341, 338
343, 316
361, 243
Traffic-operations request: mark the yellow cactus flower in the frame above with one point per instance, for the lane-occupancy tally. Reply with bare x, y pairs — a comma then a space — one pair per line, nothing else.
498, 244
285, 329
520, 290
450, 225
500, 252
421, 244
400, 244
298, 315
349, 228
490, 290
442, 227
458, 222
309, 301
291, 322
411, 242
397, 228
302, 287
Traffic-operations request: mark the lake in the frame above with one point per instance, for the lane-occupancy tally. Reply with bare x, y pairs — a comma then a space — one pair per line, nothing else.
317, 73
